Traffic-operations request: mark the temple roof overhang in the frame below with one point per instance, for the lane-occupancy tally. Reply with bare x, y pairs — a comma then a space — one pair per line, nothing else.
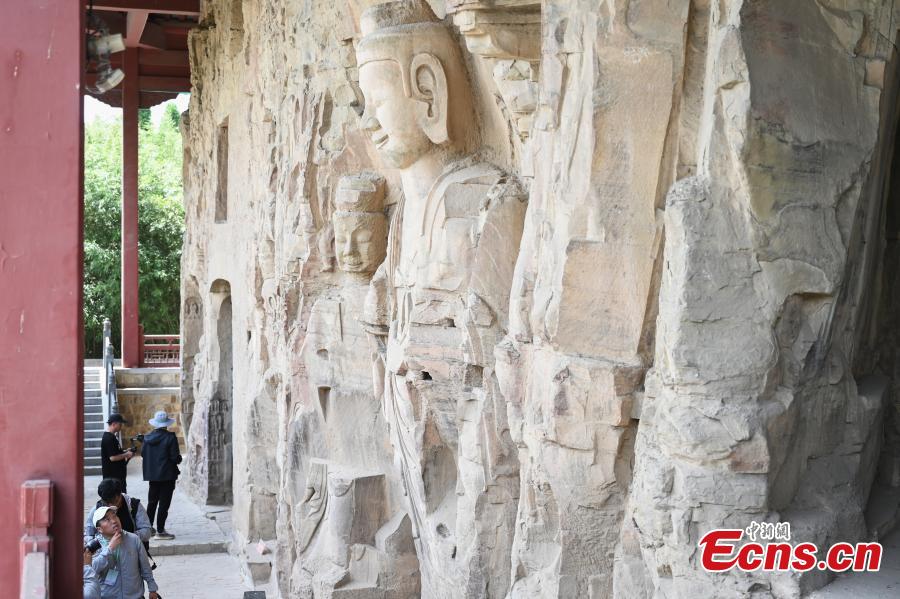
159, 30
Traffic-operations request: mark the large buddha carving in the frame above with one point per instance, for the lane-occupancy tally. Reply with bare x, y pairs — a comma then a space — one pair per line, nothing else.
438, 304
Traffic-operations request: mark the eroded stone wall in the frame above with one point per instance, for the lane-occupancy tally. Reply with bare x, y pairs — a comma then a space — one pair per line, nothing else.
518, 299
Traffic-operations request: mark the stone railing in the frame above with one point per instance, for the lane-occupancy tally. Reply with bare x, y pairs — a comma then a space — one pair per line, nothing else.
108, 380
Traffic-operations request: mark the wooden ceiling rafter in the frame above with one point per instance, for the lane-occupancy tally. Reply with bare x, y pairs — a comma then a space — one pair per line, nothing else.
158, 29
135, 22
186, 8
148, 83
150, 60
164, 58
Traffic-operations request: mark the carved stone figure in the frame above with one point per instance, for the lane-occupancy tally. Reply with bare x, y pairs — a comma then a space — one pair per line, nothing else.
439, 301
313, 507
344, 452
346, 540
360, 227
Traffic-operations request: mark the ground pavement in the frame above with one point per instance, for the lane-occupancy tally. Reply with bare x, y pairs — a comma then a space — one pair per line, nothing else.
195, 565
884, 584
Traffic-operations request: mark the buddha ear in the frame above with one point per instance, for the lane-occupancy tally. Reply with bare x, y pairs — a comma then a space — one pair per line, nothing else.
428, 85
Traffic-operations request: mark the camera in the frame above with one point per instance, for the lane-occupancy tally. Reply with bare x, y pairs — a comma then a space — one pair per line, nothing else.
132, 440
93, 545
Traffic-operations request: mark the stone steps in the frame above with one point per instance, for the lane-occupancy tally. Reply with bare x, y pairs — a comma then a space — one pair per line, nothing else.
93, 420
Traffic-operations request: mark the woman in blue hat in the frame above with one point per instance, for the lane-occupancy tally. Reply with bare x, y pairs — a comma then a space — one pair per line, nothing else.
161, 458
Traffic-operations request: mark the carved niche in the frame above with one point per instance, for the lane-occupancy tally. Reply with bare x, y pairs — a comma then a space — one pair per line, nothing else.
507, 33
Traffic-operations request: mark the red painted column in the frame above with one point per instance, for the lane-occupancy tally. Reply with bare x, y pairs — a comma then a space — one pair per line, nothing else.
130, 335
41, 340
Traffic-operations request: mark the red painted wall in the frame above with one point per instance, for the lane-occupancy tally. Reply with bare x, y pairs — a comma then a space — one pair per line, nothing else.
40, 276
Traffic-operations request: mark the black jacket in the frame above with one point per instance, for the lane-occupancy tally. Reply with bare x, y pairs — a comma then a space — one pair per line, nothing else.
160, 456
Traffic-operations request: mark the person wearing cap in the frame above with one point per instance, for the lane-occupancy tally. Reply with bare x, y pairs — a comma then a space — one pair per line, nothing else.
121, 564
132, 515
161, 457
114, 459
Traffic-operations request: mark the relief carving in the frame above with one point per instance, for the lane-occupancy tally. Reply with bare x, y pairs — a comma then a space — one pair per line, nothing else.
438, 303
507, 34
343, 535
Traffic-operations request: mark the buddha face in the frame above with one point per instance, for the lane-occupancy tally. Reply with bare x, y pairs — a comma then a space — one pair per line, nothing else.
389, 118
360, 241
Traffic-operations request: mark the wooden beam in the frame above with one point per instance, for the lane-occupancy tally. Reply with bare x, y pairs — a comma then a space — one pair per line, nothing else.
189, 8
151, 84
135, 21
164, 58
151, 99
175, 25
152, 57
115, 21
164, 84
154, 36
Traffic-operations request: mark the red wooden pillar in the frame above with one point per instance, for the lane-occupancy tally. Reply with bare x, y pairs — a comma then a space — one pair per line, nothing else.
130, 333
41, 341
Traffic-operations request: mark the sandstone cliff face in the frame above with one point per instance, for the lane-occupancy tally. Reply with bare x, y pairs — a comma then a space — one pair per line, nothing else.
645, 287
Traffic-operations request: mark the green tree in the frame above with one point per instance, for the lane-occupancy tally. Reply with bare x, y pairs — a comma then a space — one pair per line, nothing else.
160, 229
173, 115
144, 118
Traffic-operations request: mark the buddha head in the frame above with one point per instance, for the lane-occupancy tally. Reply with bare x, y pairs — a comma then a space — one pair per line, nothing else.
360, 227
414, 83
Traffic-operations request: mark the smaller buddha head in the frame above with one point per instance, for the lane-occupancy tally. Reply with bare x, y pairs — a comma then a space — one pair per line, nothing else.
360, 226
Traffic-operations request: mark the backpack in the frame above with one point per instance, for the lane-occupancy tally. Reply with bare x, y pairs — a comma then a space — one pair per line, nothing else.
135, 502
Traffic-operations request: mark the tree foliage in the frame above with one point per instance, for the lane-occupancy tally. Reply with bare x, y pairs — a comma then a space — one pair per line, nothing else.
160, 227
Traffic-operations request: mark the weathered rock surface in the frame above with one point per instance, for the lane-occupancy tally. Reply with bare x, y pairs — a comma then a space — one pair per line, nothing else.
510, 298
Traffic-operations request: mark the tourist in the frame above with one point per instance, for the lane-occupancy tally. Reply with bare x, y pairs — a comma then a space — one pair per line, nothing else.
114, 459
161, 458
132, 515
121, 563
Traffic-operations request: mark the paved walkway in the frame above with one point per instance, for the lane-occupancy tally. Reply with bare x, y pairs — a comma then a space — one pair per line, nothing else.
200, 576
194, 531
884, 584
195, 565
